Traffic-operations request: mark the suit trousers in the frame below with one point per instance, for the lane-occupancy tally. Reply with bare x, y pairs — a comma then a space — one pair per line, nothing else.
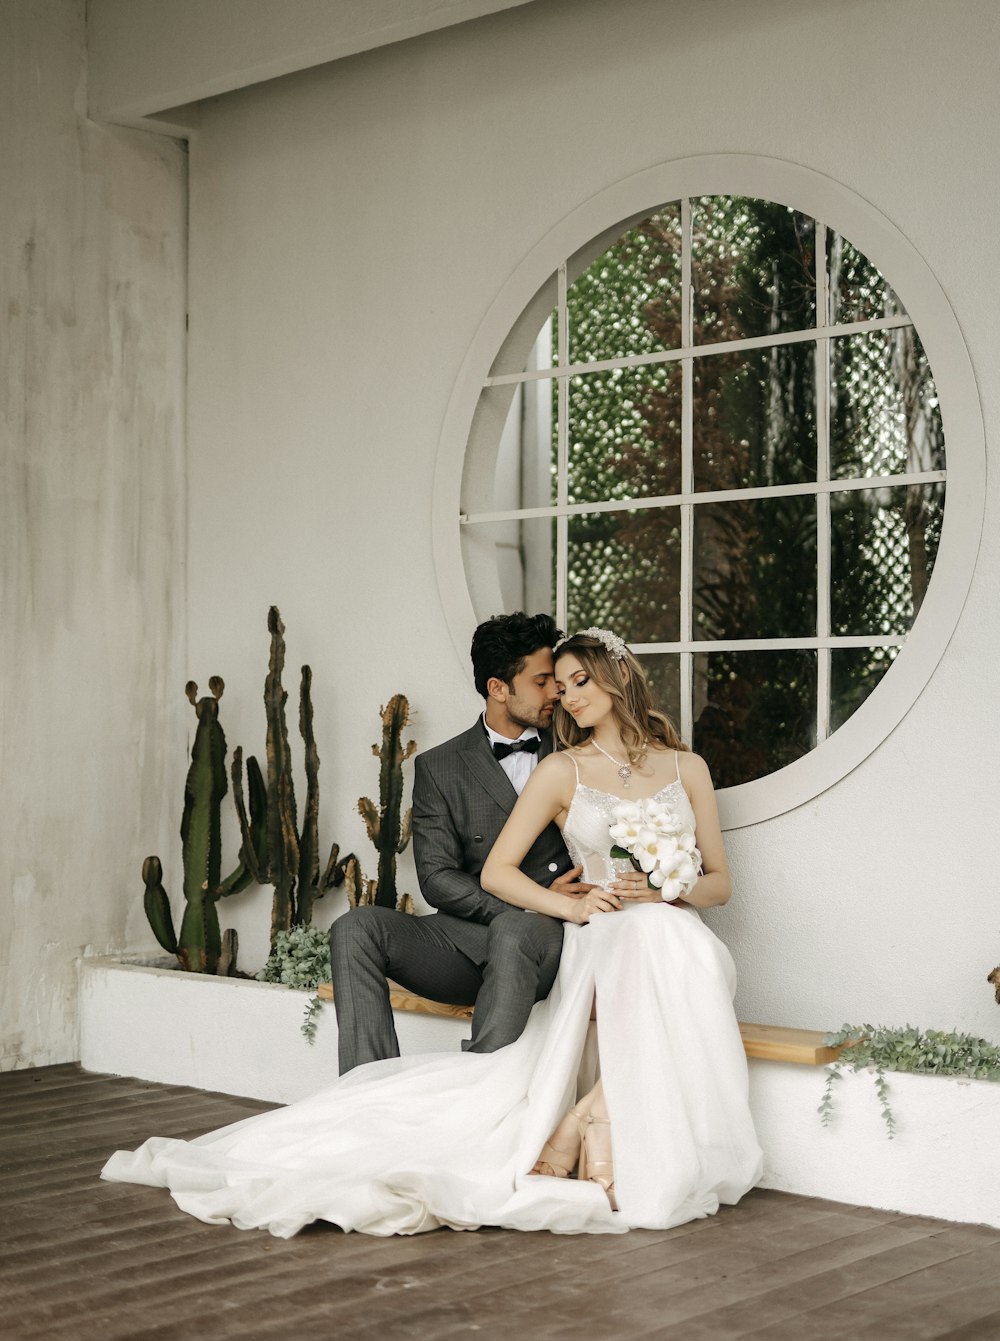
370, 944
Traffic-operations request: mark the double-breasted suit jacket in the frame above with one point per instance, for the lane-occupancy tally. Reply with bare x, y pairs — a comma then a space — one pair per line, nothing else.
461, 801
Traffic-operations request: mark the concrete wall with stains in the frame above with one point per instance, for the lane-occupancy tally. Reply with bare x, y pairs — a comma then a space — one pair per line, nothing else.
92, 522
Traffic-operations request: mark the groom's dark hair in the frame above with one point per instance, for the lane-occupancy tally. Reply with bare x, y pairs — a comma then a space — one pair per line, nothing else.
501, 645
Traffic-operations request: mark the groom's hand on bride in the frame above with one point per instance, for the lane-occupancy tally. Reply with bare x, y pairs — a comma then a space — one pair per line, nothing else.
570, 884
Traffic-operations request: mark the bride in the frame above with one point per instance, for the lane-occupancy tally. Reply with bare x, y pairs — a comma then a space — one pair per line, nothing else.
467, 1139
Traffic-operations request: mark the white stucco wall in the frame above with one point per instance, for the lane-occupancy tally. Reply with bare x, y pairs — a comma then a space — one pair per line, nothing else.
351, 226
92, 278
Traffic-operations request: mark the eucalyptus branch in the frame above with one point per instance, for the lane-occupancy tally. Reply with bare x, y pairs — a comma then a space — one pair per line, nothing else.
300, 958
880, 1049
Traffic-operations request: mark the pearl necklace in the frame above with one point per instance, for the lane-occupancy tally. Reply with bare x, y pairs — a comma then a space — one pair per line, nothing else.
624, 769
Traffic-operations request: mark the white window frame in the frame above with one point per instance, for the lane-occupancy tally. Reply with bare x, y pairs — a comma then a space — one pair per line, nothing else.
472, 428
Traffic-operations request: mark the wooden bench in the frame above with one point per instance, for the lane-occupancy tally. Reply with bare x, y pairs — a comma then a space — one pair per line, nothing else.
769, 1042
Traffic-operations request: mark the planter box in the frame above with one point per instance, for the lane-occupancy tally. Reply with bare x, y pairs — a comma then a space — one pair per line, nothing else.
140, 1018
147, 1019
944, 1159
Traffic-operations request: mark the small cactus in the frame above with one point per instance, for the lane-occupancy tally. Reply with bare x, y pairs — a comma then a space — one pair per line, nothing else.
157, 905
388, 827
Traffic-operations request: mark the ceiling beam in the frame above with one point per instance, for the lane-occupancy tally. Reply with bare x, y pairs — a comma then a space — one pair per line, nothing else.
146, 57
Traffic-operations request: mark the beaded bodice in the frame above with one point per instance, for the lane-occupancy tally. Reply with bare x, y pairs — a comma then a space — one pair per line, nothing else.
586, 831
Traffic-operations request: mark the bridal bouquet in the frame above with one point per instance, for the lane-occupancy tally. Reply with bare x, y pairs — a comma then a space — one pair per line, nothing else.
658, 842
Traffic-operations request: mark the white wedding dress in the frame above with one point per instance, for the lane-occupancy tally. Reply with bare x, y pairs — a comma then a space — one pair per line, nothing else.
409, 1144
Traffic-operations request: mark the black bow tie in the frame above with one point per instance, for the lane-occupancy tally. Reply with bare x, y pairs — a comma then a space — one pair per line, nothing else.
501, 749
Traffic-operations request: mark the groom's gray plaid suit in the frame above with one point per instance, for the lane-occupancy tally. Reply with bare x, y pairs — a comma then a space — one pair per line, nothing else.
476, 949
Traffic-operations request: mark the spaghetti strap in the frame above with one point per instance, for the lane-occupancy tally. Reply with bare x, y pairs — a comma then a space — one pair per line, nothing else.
677, 763
576, 766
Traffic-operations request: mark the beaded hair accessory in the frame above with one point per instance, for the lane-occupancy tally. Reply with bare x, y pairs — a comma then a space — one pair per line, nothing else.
614, 645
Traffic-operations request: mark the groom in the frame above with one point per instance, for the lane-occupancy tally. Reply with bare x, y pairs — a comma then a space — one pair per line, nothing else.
476, 949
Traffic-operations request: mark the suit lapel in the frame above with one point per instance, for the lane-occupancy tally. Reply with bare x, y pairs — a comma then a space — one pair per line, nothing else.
478, 758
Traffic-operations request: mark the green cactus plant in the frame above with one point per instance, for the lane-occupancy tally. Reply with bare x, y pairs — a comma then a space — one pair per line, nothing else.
290, 860
388, 827
274, 850
157, 905
199, 945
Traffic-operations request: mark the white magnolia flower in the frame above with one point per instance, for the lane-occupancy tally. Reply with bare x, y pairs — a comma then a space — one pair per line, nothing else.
675, 877
628, 819
665, 821
653, 849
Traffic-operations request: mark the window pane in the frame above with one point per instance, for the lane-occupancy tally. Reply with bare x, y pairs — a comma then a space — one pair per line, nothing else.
755, 569
883, 546
858, 292
753, 268
624, 433
521, 554
755, 418
664, 676
524, 476
854, 673
624, 573
754, 712
884, 411
629, 300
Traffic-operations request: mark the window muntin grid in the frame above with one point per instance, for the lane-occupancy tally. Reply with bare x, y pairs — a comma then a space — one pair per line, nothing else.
846, 293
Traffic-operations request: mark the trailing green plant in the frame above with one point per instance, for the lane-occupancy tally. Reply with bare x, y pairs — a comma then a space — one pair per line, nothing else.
300, 958
199, 945
881, 1049
388, 827
290, 858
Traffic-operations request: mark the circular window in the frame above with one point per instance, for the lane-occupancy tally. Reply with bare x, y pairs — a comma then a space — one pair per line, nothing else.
716, 429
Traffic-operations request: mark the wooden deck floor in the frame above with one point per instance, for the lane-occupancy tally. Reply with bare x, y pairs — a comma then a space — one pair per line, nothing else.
83, 1259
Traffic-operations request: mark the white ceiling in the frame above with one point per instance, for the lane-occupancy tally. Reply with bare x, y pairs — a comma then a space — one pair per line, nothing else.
148, 60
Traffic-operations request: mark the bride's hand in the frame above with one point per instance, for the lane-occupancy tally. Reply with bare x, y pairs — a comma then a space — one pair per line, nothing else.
634, 886
597, 901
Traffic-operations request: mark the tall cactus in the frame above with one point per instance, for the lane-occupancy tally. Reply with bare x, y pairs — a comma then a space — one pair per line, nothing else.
308, 885
199, 944
291, 860
282, 820
388, 827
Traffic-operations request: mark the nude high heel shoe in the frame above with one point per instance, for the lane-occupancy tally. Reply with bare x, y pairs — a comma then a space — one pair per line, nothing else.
596, 1162
561, 1152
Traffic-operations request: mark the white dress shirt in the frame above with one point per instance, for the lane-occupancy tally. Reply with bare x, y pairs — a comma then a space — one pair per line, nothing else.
517, 766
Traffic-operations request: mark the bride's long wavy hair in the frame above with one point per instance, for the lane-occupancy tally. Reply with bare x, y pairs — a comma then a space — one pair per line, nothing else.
625, 681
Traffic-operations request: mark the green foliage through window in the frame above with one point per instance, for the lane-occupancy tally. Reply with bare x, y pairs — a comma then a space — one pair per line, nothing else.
756, 571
